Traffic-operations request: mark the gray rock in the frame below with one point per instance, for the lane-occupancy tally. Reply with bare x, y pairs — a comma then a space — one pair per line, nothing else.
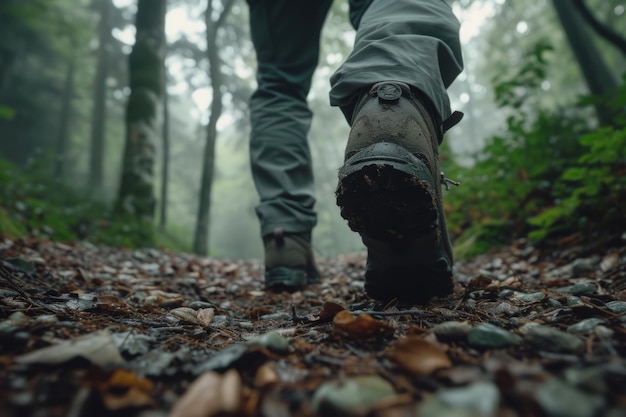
450, 331
559, 399
197, 305
552, 340
585, 326
572, 301
480, 399
276, 316
552, 302
590, 379
617, 306
350, 397
530, 298
489, 336
273, 341
585, 265
583, 288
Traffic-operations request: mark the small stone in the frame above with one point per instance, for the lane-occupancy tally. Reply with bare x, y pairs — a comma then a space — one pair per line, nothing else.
272, 341
19, 319
591, 379
450, 331
275, 316
478, 399
617, 306
552, 340
585, 265
527, 326
489, 336
559, 399
506, 293
554, 303
530, 298
46, 319
350, 397
572, 301
585, 326
583, 288
197, 305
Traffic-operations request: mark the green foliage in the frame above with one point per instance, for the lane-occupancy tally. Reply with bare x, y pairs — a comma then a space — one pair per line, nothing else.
549, 173
6, 113
31, 204
592, 193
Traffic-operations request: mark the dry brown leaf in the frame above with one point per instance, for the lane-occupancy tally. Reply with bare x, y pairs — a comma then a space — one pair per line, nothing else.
266, 375
418, 356
362, 327
205, 315
210, 394
127, 390
330, 310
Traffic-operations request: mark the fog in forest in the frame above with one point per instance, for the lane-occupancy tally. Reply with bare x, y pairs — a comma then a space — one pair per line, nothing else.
65, 87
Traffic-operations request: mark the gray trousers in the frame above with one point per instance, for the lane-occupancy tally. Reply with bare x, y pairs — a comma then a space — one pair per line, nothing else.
411, 41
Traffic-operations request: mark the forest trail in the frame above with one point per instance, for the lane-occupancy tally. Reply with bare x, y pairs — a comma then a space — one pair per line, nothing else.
526, 333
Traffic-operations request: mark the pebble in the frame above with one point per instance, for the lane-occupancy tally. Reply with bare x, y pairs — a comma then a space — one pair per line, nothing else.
530, 298
272, 341
276, 316
617, 306
490, 336
585, 326
478, 399
590, 379
572, 301
585, 265
197, 305
552, 302
350, 397
558, 399
527, 326
450, 331
552, 340
583, 288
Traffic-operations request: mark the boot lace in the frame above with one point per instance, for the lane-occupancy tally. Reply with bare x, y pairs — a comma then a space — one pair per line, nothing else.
447, 182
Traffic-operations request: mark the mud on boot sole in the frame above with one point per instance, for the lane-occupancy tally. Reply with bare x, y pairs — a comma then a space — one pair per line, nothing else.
387, 193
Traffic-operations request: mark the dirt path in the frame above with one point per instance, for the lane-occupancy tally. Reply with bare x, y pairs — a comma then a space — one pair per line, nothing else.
87, 330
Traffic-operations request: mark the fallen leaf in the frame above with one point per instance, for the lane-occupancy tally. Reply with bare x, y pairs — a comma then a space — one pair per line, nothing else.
418, 356
330, 310
98, 348
362, 327
125, 389
210, 394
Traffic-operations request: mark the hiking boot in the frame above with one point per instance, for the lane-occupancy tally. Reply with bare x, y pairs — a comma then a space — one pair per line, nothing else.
289, 261
389, 191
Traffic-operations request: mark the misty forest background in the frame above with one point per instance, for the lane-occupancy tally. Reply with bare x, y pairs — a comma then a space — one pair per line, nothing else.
125, 123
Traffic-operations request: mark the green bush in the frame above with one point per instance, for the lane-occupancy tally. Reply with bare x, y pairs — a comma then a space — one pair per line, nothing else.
549, 173
32, 204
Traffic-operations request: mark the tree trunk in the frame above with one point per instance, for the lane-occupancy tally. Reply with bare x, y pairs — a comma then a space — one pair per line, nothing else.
165, 160
201, 237
600, 28
98, 115
596, 72
136, 193
64, 126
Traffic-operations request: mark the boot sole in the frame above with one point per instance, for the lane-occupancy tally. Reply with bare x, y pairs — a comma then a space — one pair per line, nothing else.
284, 278
388, 195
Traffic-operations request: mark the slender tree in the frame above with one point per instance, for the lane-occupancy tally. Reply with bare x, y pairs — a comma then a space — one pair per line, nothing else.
136, 193
98, 115
165, 155
65, 119
602, 29
596, 72
200, 243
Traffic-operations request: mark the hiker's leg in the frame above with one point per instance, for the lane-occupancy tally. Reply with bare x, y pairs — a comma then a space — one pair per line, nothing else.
414, 42
286, 35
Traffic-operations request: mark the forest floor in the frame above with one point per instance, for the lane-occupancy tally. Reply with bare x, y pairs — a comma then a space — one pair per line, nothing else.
96, 331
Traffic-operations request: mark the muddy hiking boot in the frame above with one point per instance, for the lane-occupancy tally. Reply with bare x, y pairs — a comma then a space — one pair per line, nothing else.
389, 192
289, 261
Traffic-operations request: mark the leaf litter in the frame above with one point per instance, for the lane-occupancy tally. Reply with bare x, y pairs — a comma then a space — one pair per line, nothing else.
95, 330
